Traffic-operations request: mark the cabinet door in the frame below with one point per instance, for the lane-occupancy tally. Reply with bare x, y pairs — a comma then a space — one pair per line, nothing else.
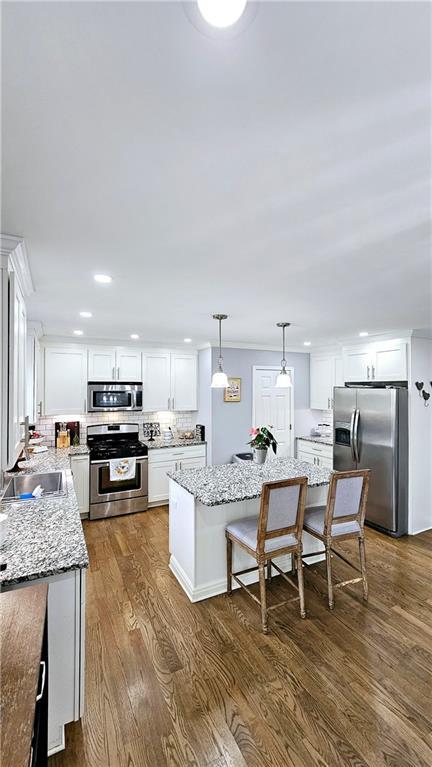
321, 382
80, 472
156, 381
325, 463
65, 381
390, 362
357, 364
184, 393
302, 456
17, 368
192, 463
102, 364
128, 367
158, 482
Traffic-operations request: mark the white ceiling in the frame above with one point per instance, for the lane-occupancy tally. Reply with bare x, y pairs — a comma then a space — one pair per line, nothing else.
278, 175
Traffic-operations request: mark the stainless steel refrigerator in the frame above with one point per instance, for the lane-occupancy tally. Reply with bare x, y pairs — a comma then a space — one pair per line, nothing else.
371, 432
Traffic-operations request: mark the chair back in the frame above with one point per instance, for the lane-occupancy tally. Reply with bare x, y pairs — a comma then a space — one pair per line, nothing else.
347, 497
282, 509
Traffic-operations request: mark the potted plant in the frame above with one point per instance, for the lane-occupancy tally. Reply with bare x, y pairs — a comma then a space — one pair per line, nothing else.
262, 439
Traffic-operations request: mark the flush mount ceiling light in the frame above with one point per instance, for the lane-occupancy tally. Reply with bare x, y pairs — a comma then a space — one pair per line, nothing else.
134, 336
86, 315
221, 13
103, 278
219, 378
187, 340
363, 333
306, 343
283, 381
78, 332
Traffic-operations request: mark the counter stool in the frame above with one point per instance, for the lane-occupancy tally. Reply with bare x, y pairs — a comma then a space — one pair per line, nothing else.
341, 519
276, 531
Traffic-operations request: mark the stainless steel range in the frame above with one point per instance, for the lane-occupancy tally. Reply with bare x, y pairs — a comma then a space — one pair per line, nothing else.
108, 497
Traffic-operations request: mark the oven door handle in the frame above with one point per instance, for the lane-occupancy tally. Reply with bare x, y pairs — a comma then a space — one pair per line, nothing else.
141, 459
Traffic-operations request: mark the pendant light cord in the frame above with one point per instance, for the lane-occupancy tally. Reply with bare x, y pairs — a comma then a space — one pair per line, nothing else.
283, 360
220, 343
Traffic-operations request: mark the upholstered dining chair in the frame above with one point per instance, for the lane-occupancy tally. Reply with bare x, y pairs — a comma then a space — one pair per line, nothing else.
275, 531
341, 519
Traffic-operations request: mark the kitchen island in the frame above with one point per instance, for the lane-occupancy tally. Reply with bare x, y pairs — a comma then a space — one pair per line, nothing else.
203, 501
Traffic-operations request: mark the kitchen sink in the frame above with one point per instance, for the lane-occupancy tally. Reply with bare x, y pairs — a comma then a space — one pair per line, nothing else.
53, 484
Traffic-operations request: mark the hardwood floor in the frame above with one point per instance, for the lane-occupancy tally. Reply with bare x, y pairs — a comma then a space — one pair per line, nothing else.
174, 683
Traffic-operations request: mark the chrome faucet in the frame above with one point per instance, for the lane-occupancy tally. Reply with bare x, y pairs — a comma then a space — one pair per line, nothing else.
26, 424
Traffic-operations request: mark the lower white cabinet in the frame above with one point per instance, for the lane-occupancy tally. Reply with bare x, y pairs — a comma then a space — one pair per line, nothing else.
81, 478
316, 453
164, 460
66, 652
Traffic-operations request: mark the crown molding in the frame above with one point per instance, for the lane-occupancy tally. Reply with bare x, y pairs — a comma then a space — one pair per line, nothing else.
35, 328
14, 248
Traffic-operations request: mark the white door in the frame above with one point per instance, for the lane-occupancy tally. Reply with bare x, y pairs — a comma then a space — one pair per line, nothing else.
102, 364
156, 381
65, 381
273, 407
321, 382
357, 364
128, 367
391, 362
184, 382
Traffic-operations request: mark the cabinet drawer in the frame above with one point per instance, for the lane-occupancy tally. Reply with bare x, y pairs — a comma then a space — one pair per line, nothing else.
175, 454
314, 448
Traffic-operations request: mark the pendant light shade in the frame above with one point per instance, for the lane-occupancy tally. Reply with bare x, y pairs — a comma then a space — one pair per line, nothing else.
219, 378
283, 381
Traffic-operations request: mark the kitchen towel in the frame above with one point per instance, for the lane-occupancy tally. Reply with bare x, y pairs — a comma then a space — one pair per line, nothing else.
122, 468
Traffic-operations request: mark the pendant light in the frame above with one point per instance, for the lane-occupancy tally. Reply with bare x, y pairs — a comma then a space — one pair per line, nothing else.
219, 378
283, 381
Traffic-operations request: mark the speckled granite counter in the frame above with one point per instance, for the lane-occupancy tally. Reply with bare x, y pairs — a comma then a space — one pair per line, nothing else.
45, 536
177, 442
319, 440
233, 482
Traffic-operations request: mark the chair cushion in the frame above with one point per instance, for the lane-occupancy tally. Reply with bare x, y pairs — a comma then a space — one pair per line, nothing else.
245, 530
314, 519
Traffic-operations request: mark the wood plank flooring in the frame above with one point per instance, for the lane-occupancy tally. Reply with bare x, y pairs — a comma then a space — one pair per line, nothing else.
172, 683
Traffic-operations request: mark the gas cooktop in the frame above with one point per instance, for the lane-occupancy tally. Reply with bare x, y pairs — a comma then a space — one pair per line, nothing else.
114, 440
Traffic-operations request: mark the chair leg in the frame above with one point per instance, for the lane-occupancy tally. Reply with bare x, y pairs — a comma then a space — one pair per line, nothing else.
363, 568
229, 566
262, 581
293, 564
269, 573
329, 575
300, 584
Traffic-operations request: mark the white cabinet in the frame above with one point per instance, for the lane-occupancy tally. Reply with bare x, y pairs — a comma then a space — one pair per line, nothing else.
183, 382
164, 460
101, 364
65, 376
325, 374
81, 478
114, 364
383, 361
17, 368
169, 381
316, 453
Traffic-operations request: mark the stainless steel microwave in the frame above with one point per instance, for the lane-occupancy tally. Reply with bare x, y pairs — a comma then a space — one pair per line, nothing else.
110, 397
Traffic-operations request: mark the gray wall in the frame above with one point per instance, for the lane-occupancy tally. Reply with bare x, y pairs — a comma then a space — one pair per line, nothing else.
231, 421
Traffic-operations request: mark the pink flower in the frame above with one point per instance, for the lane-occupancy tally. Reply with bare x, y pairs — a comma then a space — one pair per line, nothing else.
253, 432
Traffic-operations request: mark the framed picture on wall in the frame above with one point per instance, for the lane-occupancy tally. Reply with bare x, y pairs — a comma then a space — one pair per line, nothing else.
233, 391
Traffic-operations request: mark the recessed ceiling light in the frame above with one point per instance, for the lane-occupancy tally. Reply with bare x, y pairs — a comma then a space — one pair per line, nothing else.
104, 278
306, 343
134, 336
363, 333
78, 332
221, 13
187, 340
86, 315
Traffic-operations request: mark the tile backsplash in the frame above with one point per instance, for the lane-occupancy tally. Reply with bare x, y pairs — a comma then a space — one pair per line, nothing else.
178, 422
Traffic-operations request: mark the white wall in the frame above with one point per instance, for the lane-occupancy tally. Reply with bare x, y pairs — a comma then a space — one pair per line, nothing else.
420, 438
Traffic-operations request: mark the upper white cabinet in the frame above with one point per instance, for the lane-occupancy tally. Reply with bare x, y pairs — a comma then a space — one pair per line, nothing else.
111, 364
156, 381
325, 374
17, 368
169, 381
183, 382
384, 361
65, 376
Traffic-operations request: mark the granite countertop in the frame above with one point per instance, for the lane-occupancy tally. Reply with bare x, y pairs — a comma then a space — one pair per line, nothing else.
320, 440
175, 442
232, 482
45, 536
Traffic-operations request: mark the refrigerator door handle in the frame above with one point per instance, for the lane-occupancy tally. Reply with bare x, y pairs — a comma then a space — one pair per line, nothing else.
355, 435
353, 416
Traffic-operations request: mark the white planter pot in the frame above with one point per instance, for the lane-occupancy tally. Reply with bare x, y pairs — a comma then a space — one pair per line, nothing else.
260, 455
